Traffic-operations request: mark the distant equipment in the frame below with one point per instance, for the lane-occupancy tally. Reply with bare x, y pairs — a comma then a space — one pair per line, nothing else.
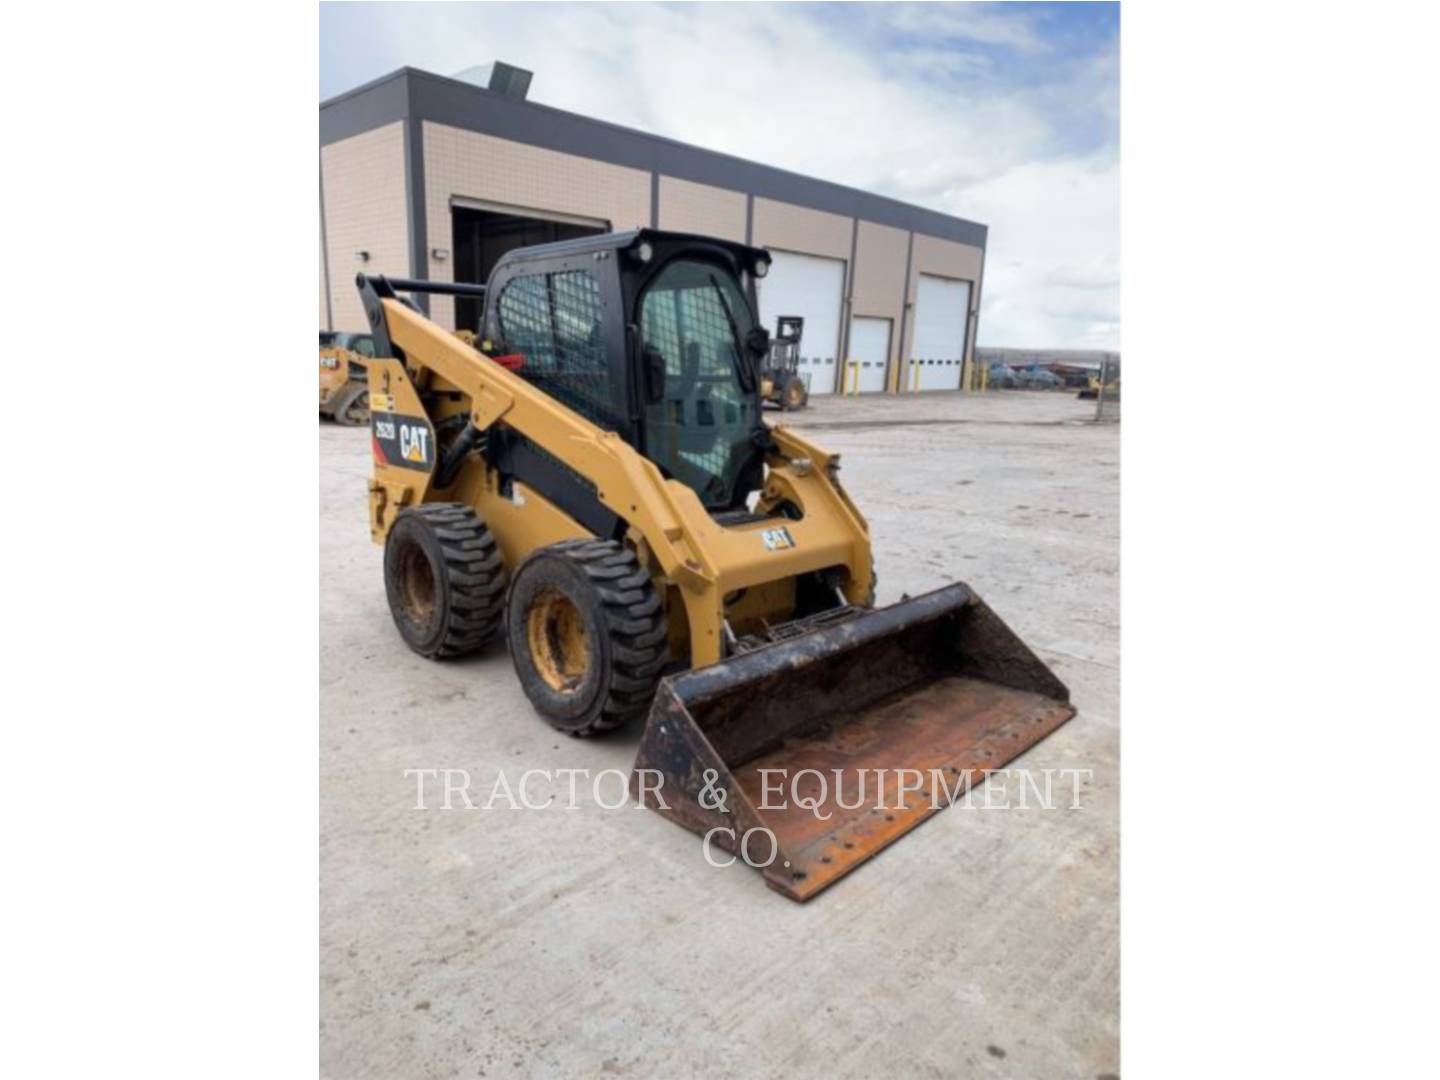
344, 395
780, 380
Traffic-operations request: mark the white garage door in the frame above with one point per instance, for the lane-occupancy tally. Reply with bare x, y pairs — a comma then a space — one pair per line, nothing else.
811, 287
942, 309
869, 349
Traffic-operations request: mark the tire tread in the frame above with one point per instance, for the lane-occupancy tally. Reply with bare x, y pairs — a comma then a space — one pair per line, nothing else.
635, 625
475, 575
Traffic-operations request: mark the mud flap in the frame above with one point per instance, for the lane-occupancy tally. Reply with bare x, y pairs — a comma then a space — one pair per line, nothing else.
933, 690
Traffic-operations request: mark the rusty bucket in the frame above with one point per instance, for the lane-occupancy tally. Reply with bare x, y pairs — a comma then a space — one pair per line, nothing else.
838, 742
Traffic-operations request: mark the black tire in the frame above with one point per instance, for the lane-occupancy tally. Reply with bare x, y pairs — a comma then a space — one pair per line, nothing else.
353, 408
794, 395
587, 635
444, 580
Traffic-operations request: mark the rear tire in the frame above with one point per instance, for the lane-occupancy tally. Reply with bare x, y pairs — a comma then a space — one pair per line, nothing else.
444, 580
587, 634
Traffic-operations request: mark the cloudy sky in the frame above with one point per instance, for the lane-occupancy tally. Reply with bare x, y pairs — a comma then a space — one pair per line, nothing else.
1007, 114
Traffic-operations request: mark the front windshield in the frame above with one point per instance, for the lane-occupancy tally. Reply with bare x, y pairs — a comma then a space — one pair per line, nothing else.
700, 431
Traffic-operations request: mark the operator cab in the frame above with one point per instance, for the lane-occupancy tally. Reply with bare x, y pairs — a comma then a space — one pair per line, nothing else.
652, 335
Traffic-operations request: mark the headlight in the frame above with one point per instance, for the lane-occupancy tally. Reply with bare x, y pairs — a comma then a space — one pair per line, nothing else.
762, 267
643, 251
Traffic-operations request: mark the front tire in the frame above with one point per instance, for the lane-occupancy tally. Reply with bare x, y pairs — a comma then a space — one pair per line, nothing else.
444, 580
795, 395
587, 634
353, 409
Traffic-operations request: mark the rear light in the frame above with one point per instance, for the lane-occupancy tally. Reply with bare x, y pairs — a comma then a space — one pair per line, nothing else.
511, 361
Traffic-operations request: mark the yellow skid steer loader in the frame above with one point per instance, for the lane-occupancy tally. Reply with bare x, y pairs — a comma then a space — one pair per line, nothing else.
594, 483
343, 394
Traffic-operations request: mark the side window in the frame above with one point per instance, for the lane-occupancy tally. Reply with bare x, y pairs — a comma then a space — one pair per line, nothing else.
553, 320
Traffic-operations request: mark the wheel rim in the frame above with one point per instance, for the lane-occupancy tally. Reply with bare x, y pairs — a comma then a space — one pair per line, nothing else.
417, 586
559, 644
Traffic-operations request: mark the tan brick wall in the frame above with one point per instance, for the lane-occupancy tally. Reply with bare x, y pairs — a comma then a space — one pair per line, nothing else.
799, 229
700, 208
320, 268
878, 285
471, 165
878, 279
944, 258
364, 178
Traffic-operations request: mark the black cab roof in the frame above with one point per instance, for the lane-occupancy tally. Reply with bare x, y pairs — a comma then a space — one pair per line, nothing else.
743, 254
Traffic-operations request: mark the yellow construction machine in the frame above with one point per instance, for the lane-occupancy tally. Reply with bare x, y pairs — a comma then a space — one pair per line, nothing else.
343, 394
1093, 386
593, 483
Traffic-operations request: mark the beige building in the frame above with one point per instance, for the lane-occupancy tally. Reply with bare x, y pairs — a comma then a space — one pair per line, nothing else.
429, 177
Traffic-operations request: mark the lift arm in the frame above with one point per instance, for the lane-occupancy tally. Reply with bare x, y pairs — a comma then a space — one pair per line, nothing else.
625, 481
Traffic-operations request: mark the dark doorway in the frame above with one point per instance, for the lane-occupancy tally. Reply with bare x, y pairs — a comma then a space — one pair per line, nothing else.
482, 236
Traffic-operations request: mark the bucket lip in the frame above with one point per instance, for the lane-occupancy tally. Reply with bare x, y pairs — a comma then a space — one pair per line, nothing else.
700, 684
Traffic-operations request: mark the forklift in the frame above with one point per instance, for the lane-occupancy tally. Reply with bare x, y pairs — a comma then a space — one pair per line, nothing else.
780, 380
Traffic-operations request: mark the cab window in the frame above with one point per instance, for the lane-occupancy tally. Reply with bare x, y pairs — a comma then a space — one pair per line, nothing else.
553, 320
701, 430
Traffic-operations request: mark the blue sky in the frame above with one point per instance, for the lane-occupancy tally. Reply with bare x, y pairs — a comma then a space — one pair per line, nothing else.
1007, 114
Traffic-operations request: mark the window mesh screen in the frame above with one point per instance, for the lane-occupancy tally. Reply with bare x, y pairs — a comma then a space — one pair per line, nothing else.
695, 430
553, 320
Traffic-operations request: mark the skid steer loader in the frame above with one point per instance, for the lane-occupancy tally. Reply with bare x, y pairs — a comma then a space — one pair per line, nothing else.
343, 394
594, 484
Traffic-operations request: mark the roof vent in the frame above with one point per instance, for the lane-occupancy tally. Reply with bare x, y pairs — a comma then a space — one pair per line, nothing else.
501, 78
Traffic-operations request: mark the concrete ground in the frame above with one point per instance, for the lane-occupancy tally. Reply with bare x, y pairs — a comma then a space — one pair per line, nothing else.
588, 941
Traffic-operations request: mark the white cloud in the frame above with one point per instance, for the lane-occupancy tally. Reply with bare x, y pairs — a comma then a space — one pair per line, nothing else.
1052, 272
987, 24
783, 85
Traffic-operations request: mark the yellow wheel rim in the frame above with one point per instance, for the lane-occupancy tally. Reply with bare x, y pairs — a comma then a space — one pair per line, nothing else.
417, 585
559, 645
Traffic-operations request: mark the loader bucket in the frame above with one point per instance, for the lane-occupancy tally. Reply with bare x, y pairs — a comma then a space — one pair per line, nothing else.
937, 686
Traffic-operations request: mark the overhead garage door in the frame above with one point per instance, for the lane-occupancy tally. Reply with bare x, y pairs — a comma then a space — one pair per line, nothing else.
482, 232
811, 287
942, 310
869, 351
